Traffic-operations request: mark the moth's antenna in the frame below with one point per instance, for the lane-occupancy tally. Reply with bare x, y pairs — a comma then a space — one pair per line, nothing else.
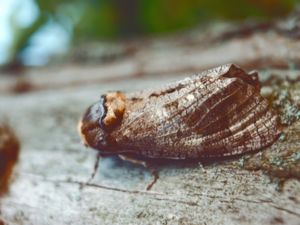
96, 166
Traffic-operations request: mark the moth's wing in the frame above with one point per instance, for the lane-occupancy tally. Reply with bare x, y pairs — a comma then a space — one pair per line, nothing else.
241, 123
219, 112
147, 114
231, 118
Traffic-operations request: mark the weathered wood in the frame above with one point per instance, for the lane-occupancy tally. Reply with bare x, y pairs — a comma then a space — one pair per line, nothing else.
52, 158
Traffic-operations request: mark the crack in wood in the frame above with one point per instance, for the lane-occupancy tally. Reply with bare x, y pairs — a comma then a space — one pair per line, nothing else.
190, 203
260, 201
154, 194
128, 191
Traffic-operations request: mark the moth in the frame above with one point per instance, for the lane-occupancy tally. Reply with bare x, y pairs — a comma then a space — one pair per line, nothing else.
217, 113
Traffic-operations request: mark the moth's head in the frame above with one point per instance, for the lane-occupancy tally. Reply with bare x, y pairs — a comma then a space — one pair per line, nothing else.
100, 119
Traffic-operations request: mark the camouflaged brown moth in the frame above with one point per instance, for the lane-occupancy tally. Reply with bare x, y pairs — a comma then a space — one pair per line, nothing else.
216, 113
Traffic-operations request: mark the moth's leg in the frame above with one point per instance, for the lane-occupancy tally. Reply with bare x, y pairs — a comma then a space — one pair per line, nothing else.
147, 165
154, 174
96, 166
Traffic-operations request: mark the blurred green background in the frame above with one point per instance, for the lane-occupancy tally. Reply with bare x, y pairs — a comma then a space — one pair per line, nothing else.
56, 25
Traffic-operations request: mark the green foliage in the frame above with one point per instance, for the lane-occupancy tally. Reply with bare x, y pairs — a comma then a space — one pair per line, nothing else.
98, 20
168, 15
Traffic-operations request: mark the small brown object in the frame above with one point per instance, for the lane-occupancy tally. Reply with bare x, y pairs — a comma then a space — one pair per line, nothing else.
22, 86
115, 105
217, 113
9, 153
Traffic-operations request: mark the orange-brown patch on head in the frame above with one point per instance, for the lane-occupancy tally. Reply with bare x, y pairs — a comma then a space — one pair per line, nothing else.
115, 104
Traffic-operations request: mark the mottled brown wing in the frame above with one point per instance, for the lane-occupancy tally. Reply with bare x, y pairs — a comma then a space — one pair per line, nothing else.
239, 122
219, 112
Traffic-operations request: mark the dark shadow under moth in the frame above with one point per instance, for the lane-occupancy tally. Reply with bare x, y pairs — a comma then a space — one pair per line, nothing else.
216, 113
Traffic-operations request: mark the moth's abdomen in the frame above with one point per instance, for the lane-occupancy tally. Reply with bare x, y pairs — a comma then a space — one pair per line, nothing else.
217, 113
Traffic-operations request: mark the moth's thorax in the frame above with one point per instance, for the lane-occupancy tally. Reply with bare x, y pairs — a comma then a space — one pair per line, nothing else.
100, 119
